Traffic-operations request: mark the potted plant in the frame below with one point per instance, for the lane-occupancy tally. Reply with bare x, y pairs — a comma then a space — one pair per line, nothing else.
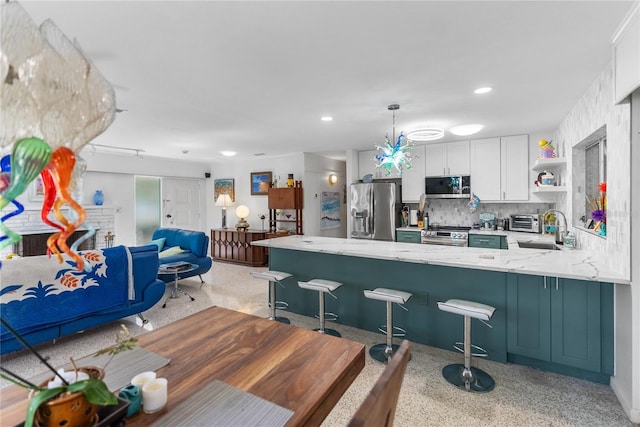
72, 402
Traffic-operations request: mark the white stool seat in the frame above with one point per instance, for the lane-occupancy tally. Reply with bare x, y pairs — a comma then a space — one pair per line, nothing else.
392, 295
383, 352
271, 275
323, 286
274, 277
320, 285
467, 308
464, 375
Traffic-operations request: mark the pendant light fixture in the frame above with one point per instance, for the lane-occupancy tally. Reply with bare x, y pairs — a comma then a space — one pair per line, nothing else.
394, 154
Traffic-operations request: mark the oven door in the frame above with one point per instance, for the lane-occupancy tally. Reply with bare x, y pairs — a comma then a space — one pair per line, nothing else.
443, 241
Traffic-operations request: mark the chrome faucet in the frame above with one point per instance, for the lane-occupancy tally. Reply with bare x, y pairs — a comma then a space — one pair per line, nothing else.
559, 237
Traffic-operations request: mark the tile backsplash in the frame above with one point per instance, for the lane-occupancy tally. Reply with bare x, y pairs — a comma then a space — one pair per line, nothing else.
455, 211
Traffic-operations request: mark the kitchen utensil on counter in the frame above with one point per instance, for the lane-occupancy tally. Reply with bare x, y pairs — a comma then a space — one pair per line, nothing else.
413, 217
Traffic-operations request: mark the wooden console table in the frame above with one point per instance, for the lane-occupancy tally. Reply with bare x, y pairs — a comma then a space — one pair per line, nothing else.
235, 246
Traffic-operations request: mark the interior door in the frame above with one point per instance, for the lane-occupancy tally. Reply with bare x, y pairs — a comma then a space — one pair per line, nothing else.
181, 203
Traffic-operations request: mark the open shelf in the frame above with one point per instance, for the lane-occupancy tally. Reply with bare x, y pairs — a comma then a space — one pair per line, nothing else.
550, 189
542, 164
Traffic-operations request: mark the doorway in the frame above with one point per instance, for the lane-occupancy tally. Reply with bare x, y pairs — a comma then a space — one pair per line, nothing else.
165, 202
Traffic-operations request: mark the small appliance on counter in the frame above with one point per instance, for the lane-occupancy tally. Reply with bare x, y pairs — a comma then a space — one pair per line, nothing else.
529, 223
487, 221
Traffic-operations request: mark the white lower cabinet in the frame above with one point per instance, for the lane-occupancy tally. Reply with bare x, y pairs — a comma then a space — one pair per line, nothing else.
500, 168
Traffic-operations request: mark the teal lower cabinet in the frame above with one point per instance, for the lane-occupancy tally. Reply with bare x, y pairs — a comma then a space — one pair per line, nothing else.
487, 241
558, 325
562, 325
408, 236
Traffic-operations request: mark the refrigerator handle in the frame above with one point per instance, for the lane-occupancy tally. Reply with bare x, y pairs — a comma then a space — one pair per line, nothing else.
372, 213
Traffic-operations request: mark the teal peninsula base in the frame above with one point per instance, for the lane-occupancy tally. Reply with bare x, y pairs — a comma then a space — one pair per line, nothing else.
555, 324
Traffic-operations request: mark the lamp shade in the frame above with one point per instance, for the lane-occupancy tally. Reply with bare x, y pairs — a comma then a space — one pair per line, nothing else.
242, 211
224, 200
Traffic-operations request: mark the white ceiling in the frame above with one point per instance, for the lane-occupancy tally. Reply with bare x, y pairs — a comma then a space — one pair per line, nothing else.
255, 77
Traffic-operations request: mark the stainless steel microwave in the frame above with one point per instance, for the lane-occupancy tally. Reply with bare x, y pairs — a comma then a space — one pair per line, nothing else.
448, 187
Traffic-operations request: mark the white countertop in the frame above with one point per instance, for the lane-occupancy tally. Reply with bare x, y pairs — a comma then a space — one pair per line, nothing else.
567, 263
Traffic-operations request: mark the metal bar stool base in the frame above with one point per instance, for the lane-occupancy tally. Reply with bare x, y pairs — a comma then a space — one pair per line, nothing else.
380, 353
281, 319
328, 331
479, 381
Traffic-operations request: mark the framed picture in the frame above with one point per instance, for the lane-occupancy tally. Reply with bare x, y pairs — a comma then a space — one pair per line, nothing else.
260, 183
223, 186
36, 190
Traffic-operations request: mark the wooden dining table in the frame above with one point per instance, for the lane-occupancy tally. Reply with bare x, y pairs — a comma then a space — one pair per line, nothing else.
295, 368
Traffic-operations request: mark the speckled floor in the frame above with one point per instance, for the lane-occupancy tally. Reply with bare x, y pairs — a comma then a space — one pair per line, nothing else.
522, 397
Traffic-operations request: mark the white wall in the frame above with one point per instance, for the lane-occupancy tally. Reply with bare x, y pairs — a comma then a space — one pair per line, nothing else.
311, 169
316, 180
240, 171
591, 112
115, 175
594, 110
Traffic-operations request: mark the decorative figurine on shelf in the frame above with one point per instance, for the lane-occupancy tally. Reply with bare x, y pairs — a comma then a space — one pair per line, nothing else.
262, 217
290, 180
547, 150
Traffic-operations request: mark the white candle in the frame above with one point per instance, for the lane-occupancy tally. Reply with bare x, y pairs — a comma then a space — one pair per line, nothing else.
142, 378
154, 395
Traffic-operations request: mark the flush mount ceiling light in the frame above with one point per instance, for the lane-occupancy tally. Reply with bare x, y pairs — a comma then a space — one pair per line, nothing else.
429, 133
465, 130
228, 153
482, 90
326, 118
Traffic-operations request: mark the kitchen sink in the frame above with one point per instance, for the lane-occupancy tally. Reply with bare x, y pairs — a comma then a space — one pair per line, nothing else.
538, 245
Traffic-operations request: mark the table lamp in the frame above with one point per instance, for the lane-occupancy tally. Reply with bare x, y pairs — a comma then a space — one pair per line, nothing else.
242, 212
224, 200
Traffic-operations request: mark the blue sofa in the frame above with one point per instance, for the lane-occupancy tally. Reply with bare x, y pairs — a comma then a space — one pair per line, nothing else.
44, 300
194, 246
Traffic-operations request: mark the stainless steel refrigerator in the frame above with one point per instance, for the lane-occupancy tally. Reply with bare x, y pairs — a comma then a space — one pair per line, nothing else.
375, 211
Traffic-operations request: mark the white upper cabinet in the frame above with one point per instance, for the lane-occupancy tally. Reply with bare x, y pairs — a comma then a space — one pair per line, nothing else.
413, 179
514, 157
626, 56
500, 168
447, 158
485, 169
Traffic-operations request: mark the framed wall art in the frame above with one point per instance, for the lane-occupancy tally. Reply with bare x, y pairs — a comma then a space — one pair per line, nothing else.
260, 183
36, 190
223, 186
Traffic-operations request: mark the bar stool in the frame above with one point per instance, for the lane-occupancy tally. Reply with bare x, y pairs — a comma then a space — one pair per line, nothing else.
383, 352
323, 287
274, 277
465, 376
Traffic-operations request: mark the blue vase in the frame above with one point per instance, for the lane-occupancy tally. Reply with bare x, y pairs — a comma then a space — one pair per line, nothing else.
98, 197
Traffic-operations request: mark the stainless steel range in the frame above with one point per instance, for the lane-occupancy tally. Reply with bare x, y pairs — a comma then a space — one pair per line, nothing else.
447, 236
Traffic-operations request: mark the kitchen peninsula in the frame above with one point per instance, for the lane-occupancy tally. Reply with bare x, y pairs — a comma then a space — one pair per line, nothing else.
554, 309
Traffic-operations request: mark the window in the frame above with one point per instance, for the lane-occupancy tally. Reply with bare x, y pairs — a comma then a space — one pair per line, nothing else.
589, 170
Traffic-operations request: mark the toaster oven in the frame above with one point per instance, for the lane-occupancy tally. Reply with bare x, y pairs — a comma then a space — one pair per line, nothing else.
529, 223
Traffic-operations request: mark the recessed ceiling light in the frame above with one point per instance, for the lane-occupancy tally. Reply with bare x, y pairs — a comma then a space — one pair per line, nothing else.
228, 153
425, 134
482, 90
465, 130
326, 118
